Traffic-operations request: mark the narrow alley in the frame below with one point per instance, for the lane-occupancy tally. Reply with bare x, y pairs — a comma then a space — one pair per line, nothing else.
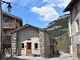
61, 56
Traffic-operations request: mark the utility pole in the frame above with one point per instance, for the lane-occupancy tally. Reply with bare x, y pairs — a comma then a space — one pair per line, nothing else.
0, 31
1, 27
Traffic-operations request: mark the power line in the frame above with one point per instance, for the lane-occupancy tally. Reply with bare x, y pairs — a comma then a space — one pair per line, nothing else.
19, 5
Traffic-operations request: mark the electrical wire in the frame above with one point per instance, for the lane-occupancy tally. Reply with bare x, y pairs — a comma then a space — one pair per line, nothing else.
19, 5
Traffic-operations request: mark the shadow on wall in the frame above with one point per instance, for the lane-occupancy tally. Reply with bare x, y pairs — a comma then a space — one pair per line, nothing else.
13, 58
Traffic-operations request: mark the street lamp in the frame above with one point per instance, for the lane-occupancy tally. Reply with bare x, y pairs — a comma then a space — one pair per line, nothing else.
1, 27
9, 6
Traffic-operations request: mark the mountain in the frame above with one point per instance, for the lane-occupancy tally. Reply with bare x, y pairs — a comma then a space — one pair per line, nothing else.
58, 27
59, 30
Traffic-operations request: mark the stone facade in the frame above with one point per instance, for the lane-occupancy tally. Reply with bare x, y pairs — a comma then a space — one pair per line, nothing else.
41, 39
35, 35
74, 26
14, 44
10, 22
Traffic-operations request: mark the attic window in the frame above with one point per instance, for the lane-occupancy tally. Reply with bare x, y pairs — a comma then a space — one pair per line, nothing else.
28, 39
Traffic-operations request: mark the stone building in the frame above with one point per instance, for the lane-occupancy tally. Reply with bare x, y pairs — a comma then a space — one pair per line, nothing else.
31, 40
10, 22
74, 27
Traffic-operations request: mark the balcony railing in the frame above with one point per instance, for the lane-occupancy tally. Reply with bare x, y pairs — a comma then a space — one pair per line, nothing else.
9, 25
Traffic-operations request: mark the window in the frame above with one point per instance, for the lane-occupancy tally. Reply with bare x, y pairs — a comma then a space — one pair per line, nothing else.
7, 21
77, 25
76, 10
78, 50
28, 39
22, 45
36, 46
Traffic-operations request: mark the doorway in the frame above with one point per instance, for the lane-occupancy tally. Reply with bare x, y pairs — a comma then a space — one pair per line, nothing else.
29, 50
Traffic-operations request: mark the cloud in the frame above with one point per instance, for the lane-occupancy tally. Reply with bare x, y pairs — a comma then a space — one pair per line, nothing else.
45, 13
58, 3
62, 3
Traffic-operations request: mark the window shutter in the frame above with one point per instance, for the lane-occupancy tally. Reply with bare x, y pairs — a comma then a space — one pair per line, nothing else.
78, 50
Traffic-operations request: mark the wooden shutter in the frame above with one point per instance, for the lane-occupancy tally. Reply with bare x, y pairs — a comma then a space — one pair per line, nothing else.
78, 50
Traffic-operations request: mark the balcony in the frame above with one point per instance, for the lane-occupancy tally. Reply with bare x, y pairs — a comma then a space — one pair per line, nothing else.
9, 25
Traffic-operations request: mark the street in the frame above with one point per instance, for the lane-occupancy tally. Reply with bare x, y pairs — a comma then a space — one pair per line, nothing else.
62, 56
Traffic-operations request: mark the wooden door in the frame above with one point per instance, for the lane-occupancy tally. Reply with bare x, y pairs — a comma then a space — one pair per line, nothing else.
29, 50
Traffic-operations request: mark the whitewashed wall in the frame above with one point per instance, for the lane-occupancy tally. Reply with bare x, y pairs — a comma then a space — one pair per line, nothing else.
33, 41
23, 35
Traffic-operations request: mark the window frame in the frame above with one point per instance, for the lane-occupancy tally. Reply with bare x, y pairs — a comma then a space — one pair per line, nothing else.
22, 45
78, 50
77, 22
35, 45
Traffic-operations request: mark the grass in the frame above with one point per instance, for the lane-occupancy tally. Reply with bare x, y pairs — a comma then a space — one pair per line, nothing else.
4, 57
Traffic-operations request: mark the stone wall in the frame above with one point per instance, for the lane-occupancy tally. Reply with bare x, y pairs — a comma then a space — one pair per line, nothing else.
41, 36
74, 47
14, 44
75, 10
75, 30
37, 36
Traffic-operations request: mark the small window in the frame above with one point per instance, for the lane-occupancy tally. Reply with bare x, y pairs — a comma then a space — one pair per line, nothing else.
76, 10
36, 45
7, 21
22, 45
77, 24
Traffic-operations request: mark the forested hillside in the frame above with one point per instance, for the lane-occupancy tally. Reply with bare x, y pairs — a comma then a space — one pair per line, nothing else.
59, 30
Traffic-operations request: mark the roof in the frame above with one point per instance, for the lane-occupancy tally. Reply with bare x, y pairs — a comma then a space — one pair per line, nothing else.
13, 16
69, 6
54, 40
27, 25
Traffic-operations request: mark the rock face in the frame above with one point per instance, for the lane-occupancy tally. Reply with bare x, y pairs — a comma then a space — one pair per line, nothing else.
58, 26
58, 23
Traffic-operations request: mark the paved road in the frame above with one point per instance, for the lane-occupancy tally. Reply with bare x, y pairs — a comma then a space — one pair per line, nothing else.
62, 56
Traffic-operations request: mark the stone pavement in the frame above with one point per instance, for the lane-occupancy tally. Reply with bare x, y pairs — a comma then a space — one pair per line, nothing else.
62, 56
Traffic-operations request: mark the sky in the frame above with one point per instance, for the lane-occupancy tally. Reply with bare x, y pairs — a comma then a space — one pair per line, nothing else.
38, 13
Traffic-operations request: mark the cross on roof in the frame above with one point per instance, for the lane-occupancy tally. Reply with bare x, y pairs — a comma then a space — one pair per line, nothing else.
27, 21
